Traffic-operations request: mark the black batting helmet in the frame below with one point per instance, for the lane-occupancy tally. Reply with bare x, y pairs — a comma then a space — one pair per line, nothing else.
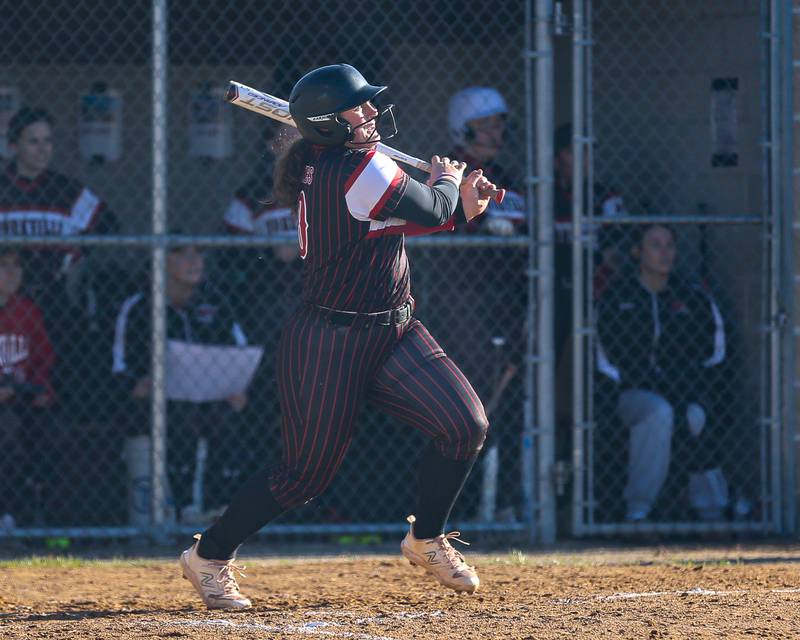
321, 95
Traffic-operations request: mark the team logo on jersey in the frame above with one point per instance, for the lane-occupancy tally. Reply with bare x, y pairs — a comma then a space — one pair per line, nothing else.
308, 174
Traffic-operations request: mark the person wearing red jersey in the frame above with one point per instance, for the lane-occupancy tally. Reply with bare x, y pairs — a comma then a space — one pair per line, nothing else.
253, 209
26, 359
35, 200
26, 355
355, 339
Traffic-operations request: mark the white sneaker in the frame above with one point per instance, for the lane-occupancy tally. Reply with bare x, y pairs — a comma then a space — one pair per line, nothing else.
214, 580
438, 557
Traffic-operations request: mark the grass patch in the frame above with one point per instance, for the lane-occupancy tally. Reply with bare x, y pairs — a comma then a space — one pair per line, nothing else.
514, 557
44, 562
73, 562
698, 564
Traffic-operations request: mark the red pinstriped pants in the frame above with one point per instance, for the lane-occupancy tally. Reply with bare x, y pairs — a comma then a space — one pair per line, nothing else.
327, 372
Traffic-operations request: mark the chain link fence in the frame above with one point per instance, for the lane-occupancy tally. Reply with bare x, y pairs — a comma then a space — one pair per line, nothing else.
683, 426
99, 152
150, 269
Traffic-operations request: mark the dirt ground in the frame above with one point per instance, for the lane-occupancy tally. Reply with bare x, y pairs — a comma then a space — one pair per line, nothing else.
711, 592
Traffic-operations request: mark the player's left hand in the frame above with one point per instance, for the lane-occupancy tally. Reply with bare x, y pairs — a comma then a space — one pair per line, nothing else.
474, 194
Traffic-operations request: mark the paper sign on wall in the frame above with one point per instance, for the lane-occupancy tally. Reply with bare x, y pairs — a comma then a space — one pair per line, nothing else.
209, 123
724, 122
100, 123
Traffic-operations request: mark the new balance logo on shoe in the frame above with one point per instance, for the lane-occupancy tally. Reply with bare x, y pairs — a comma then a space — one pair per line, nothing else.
431, 555
214, 580
208, 579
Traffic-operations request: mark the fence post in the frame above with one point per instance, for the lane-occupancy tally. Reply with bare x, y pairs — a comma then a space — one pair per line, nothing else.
545, 386
785, 42
578, 283
158, 293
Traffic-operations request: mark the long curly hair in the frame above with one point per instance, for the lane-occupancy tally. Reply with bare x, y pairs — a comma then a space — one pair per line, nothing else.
289, 171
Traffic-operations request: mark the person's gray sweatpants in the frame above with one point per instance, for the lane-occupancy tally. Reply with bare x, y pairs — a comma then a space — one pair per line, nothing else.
650, 420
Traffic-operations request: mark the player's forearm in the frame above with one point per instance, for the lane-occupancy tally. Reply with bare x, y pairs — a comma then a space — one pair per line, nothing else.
428, 206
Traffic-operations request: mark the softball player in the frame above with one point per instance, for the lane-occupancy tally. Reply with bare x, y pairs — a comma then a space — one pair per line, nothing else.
355, 340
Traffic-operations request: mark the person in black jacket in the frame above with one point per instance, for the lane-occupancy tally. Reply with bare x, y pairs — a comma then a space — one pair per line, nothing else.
196, 313
660, 340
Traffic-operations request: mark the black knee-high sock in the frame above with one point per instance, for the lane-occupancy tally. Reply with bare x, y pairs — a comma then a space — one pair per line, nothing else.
440, 482
251, 508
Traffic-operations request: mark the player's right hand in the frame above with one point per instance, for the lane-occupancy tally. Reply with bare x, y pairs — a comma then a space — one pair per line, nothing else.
474, 193
440, 167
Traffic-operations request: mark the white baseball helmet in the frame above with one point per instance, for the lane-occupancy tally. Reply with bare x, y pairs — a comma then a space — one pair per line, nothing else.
469, 104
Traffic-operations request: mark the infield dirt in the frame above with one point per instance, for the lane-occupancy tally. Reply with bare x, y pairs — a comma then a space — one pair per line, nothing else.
674, 593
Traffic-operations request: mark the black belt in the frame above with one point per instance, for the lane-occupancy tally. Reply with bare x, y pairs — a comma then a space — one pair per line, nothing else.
388, 318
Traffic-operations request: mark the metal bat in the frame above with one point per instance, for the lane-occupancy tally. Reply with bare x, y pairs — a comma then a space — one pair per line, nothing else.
500, 387
266, 105
491, 460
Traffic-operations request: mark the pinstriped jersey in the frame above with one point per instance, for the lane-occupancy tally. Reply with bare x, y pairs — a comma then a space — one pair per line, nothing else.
352, 245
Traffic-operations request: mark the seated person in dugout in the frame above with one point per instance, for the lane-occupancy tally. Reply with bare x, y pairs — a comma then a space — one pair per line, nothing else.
477, 120
253, 209
661, 339
606, 254
263, 283
26, 393
197, 313
36, 200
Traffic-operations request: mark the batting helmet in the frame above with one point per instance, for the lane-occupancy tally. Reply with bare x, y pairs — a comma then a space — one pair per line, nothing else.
321, 95
470, 104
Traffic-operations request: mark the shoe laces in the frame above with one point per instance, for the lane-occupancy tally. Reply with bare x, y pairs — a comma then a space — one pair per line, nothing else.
227, 578
450, 552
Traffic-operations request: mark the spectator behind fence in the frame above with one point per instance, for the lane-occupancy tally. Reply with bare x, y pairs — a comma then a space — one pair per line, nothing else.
253, 209
269, 276
606, 203
477, 119
196, 314
26, 393
264, 283
35, 200
660, 341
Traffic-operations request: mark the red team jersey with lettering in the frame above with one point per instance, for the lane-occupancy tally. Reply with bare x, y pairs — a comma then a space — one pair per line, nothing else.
26, 355
251, 212
355, 260
51, 204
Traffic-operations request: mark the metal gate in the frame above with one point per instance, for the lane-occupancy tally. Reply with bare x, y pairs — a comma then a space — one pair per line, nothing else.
681, 418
